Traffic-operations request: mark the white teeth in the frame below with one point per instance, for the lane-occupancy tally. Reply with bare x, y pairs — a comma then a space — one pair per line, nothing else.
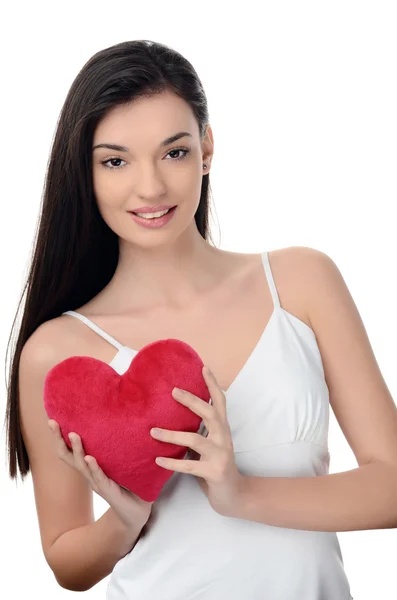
153, 215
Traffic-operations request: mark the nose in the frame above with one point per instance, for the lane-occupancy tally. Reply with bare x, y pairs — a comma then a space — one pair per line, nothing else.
148, 182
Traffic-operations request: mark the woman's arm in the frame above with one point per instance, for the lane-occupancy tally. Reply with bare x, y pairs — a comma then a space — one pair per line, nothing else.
79, 549
359, 499
82, 557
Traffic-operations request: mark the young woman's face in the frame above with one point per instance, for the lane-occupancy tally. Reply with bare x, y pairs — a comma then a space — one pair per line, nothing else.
149, 172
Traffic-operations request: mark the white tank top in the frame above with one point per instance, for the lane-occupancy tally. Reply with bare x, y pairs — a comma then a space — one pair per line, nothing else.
278, 411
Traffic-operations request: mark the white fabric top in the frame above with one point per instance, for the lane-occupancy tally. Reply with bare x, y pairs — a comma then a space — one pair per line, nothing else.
278, 411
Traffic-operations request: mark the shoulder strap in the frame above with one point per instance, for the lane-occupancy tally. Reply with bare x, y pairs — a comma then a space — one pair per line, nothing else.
270, 280
94, 327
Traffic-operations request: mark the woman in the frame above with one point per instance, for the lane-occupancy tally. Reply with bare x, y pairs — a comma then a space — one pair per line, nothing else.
133, 137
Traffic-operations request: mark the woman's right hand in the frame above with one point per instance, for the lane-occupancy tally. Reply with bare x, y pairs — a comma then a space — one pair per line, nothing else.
129, 507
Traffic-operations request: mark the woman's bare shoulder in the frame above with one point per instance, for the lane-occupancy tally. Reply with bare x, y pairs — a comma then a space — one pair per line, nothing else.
51, 342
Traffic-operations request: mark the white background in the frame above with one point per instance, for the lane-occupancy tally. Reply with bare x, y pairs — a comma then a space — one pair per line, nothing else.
302, 99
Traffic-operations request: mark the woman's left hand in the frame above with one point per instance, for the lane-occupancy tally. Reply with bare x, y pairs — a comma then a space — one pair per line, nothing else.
215, 466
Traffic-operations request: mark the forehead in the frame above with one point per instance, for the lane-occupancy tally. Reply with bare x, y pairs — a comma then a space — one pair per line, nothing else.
146, 121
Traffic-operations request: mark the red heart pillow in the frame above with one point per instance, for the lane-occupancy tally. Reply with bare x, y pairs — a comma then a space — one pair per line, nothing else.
113, 413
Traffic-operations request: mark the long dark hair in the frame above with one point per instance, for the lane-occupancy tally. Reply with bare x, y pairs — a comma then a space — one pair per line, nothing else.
75, 253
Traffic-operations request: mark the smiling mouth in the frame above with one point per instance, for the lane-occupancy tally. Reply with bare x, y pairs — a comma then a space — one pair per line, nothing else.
158, 214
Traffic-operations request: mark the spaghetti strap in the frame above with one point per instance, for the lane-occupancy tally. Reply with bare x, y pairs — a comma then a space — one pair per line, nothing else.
270, 280
94, 327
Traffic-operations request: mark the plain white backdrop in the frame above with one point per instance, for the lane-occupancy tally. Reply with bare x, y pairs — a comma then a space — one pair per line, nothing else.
302, 99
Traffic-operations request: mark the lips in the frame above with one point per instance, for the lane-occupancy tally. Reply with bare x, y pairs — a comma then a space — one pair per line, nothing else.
148, 209
152, 222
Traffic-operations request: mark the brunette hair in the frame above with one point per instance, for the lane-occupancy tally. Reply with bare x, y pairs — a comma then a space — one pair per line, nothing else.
75, 253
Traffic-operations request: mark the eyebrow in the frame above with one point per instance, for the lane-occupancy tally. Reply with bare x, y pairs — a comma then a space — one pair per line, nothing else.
168, 140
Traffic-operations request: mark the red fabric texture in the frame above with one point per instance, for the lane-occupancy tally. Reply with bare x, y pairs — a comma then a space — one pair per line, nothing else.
113, 413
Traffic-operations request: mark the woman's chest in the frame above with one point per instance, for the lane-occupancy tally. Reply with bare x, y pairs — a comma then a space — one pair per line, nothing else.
226, 337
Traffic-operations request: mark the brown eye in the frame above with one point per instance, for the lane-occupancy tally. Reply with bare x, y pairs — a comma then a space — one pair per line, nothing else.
114, 167
185, 150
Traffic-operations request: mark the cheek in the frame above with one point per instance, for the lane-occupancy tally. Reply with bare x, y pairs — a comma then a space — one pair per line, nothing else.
110, 192
188, 180
184, 189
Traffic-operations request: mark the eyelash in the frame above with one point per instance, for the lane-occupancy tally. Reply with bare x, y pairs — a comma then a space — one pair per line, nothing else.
185, 150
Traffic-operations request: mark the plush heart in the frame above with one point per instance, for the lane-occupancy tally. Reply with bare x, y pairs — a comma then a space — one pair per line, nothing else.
113, 413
